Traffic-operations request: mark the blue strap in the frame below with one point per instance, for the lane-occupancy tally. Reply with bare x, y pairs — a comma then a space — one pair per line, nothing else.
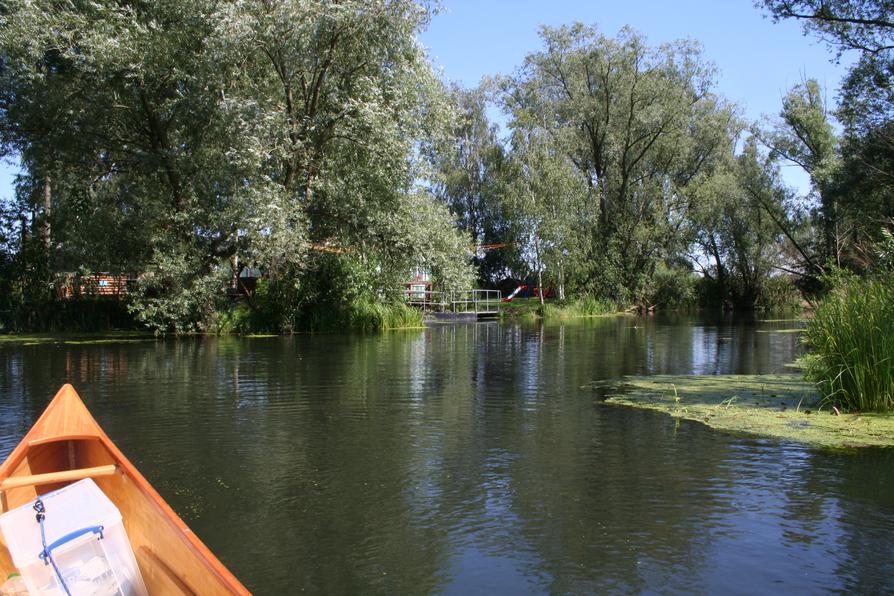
68, 538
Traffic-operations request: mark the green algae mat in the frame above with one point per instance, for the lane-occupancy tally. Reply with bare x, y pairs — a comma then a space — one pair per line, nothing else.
781, 406
113, 337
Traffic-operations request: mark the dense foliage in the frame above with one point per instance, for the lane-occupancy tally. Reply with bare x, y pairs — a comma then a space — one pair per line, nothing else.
851, 335
856, 178
188, 143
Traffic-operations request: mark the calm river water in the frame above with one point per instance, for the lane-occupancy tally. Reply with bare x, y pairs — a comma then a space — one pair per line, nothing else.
467, 459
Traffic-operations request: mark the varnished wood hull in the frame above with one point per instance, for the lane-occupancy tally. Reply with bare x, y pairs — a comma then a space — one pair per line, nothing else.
65, 444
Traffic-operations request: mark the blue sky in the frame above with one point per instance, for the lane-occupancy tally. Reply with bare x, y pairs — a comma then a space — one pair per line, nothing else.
757, 61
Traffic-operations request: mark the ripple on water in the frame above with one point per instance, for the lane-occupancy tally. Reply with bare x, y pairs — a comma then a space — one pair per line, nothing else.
465, 459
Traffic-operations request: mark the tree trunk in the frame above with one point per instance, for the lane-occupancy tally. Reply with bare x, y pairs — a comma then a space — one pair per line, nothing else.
47, 207
539, 268
721, 274
561, 287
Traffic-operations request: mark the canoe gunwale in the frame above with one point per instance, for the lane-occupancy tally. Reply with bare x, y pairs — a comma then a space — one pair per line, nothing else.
67, 419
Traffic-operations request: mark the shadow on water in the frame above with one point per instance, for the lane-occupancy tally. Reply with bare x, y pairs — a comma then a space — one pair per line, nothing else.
466, 459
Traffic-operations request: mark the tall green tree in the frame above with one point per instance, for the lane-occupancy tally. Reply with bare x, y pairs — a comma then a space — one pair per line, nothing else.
804, 137
642, 126
864, 25
134, 103
471, 178
865, 194
549, 203
250, 134
739, 219
866, 181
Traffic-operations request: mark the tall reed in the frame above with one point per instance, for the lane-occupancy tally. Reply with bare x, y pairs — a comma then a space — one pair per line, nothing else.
368, 317
361, 316
585, 306
852, 342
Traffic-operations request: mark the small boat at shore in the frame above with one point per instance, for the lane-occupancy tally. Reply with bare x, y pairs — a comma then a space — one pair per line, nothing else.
66, 445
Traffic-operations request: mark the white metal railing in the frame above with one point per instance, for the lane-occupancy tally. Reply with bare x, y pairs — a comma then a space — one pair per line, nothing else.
455, 301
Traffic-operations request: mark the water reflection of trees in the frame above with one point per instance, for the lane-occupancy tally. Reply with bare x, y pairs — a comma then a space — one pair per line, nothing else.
551, 483
449, 458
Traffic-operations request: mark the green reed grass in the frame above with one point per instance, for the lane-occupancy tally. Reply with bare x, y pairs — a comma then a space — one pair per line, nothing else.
586, 306
368, 317
362, 317
852, 343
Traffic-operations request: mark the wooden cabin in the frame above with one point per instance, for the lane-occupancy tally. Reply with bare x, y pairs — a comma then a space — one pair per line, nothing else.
75, 285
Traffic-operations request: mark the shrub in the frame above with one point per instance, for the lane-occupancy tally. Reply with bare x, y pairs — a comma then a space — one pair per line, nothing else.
238, 318
673, 289
779, 292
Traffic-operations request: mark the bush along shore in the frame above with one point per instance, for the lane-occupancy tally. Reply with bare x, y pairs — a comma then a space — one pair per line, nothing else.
782, 406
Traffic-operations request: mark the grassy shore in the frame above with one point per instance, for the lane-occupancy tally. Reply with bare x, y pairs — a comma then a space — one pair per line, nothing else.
779, 406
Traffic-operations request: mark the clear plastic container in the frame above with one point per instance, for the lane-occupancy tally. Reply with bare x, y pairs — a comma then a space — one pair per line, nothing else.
91, 549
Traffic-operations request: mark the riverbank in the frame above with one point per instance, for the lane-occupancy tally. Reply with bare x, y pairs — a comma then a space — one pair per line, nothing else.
782, 406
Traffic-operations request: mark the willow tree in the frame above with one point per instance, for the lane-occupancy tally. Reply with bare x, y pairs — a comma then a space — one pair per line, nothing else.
137, 140
335, 102
548, 199
805, 137
236, 133
471, 176
864, 25
863, 187
641, 126
741, 225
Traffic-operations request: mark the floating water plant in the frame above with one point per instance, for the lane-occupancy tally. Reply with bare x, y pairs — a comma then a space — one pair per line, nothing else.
782, 406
